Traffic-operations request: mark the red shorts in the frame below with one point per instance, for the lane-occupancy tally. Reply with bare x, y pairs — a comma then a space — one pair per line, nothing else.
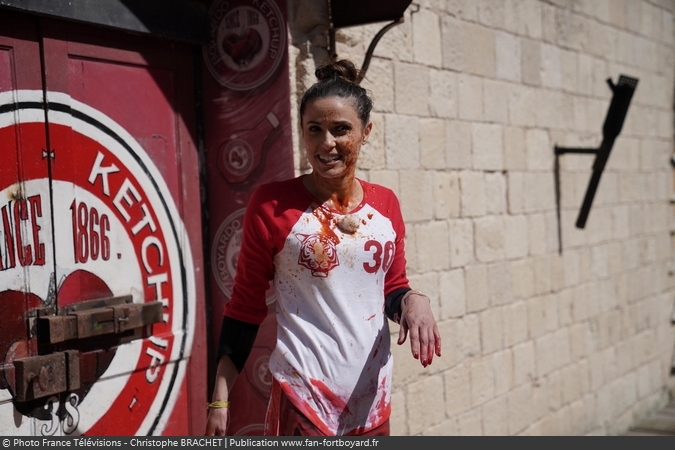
294, 423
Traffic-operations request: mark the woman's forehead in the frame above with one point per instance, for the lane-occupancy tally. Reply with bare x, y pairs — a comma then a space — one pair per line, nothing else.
330, 108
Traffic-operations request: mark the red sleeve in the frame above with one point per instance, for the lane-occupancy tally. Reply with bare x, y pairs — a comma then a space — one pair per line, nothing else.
255, 267
270, 215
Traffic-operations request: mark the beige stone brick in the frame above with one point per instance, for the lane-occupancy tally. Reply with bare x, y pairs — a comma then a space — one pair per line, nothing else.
401, 142
524, 368
516, 242
411, 89
472, 185
482, 380
396, 44
495, 101
487, 147
426, 38
398, 418
380, 81
387, 178
523, 17
470, 94
425, 406
553, 351
446, 195
452, 43
452, 294
574, 382
491, 321
508, 57
520, 408
500, 290
579, 347
522, 278
542, 274
372, 155
469, 337
495, 417
476, 288
461, 242
443, 95
432, 143
502, 362
457, 383
585, 74
539, 150
516, 326
515, 155
491, 14
458, 144
446, 428
470, 423
537, 233
617, 13
516, 192
530, 64
416, 195
550, 66
548, 25
542, 315
479, 49
489, 238
521, 99
432, 246
406, 369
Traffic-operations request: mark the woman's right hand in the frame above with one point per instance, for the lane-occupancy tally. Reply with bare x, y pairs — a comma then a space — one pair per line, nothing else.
216, 422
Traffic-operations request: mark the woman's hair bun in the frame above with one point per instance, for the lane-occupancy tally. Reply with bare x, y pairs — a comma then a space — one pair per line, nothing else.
343, 69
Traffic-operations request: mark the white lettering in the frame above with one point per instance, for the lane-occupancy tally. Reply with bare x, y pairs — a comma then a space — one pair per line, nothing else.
97, 170
123, 194
147, 242
157, 280
152, 372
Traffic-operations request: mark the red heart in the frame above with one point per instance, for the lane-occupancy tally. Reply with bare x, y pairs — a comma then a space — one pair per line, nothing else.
242, 47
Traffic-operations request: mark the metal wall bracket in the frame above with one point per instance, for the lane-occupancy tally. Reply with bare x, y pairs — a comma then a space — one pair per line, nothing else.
616, 114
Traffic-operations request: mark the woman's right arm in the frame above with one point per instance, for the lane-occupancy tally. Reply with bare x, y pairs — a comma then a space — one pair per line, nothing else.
216, 423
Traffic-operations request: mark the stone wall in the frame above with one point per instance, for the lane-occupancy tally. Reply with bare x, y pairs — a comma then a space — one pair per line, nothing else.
547, 329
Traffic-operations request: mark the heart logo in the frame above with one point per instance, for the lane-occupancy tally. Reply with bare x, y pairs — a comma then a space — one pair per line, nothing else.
242, 47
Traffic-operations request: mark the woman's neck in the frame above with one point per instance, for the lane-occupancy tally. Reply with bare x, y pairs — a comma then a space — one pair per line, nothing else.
342, 194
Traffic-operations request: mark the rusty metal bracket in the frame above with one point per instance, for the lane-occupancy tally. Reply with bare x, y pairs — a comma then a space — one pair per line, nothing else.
44, 375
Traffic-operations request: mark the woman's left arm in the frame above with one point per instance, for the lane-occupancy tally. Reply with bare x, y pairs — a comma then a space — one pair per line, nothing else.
418, 320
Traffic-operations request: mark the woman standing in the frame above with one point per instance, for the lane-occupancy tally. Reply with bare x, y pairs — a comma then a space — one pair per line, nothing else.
334, 246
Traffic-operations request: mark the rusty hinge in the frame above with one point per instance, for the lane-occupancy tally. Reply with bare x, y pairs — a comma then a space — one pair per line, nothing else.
91, 318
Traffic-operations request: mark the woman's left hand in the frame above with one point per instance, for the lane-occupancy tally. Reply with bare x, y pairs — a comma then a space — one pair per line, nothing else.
417, 318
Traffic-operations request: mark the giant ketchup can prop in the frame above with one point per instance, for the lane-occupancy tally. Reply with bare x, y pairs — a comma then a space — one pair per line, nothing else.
248, 142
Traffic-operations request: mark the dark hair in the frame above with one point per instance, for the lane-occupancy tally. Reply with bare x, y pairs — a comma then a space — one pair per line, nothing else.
339, 79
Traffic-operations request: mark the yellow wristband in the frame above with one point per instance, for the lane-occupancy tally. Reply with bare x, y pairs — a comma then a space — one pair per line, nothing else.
218, 404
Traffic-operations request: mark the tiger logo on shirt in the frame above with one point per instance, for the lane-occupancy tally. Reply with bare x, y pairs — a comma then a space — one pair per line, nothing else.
318, 253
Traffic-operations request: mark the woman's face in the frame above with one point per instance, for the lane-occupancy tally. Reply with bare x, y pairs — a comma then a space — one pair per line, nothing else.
333, 136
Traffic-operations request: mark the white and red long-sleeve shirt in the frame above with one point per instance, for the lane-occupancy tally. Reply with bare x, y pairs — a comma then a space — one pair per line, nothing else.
332, 357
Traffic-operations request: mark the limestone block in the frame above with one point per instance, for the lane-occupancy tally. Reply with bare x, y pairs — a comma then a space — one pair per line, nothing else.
446, 428
495, 417
490, 13
470, 423
372, 155
515, 155
530, 65
461, 242
479, 49
491, 321
452, 35
508, 56
500, 289
475, 278
585, 73
416, 195
487, 148
482, 380
540, 153
411, 89
552, 350
425, 406
458, 144
443, 96
380, 81
457, 393
495, 193
521, 99
542, 314
398, 418
489, 238
387, 178
495, 101
472, 185
536, 225
401, 142
432, 143
426, 33
550, 66
548, 25
452, 294
515, 323
520, 404
433, 253
617, 13
396, 44
470, 90
571, 30
523, 17
446, 195
522, 278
